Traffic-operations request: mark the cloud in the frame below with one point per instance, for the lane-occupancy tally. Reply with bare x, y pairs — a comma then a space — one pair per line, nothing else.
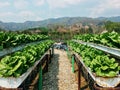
57, 16
62, 3
105, 6
4, 4
19, 17
39, 2
5, 14
26, 14
38, 18
114, 4
21, 4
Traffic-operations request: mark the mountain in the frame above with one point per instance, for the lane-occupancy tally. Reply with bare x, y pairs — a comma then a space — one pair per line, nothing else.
113, 19
66, 21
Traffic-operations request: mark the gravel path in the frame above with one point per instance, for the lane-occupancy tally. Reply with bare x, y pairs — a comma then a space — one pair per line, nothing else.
59, 75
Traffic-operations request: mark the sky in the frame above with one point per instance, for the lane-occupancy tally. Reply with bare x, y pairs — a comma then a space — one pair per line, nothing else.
35, 10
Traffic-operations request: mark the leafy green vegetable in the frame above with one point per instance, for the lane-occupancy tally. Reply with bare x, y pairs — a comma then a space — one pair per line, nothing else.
17, 63
99, 63
10, 39
111, 39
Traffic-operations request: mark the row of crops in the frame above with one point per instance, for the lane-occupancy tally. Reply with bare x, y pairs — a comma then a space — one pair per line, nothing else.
109, 39
99, 62
10, 39
17, 63
20, 55
98, 56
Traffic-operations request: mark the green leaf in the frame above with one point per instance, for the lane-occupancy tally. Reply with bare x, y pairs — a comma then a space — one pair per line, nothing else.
104, 67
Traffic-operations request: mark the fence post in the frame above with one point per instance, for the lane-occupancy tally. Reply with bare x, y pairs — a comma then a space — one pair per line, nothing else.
52, 51
68, 54
73, 69
40, 78
79, 77
49, 56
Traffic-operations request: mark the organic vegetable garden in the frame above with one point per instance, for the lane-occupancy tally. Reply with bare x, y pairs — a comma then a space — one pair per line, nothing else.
25, 57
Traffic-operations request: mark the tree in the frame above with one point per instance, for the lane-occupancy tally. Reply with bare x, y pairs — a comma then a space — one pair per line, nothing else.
112, 26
